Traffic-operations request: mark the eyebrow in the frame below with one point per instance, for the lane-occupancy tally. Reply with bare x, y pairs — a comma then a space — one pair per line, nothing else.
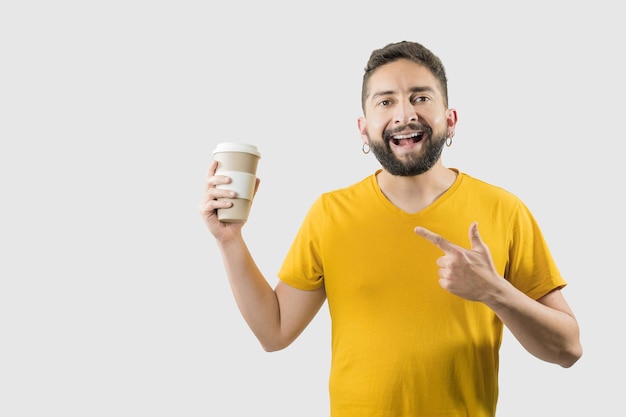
416, 89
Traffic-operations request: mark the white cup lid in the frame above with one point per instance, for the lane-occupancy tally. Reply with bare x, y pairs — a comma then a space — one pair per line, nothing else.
236, 147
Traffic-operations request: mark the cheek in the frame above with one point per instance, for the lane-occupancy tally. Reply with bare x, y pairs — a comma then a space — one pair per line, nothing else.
437, 119
375, 126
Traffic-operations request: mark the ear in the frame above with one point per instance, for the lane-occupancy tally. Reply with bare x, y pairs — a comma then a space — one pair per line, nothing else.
452, 118
362, 125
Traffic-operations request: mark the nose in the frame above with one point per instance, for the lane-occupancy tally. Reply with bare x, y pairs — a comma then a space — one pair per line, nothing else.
405, 113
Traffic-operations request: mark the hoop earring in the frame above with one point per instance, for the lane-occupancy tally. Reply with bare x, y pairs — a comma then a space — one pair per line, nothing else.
365, 148
449, 140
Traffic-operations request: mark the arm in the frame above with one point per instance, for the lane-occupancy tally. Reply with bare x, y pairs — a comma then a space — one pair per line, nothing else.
276, 316
546, 327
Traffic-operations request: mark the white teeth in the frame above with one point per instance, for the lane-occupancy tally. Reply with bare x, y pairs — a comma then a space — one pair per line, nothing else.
412, 135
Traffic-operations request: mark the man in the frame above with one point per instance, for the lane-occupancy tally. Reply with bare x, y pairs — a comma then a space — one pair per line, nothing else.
417, 295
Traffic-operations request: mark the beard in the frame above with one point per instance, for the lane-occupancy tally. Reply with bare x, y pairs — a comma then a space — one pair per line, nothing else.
410, 165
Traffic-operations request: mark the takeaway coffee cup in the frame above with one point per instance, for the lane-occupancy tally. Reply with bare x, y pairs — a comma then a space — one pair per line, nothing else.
238, 161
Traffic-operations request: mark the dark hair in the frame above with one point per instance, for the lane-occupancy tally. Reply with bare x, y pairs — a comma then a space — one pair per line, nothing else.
412, 51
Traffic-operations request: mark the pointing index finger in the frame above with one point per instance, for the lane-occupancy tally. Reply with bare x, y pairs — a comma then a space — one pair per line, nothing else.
434, 238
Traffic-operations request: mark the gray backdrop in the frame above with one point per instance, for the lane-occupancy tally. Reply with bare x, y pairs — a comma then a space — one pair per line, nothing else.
113, 299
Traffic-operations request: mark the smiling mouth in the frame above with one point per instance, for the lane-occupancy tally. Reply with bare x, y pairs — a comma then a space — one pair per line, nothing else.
411, 138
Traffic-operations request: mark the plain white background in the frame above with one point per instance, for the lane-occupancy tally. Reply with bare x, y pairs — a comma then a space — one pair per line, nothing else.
113, 299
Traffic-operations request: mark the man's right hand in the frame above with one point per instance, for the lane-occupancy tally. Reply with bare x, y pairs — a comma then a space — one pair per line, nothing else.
217, 198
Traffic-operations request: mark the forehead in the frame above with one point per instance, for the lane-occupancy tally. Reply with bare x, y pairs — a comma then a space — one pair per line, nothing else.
401, 76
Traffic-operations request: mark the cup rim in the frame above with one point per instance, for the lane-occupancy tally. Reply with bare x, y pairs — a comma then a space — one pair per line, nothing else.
236, 147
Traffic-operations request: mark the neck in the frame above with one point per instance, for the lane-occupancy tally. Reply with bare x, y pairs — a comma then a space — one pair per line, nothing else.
413, 194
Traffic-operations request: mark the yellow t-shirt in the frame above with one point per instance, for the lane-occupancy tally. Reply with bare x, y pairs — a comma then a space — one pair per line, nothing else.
402, 345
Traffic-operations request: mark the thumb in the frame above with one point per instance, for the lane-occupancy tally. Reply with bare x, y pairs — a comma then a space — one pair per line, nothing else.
474, 237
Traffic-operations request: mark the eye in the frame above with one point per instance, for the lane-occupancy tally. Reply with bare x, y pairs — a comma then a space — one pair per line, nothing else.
384, 103
420, 99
